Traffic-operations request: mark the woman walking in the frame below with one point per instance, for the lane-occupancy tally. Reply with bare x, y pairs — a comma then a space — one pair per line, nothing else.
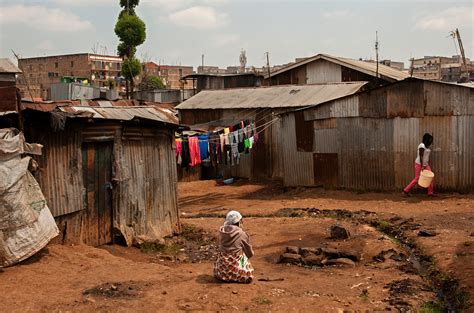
232, 263
421, 163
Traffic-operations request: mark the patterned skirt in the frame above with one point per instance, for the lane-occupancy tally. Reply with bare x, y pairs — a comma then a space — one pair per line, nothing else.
233, 267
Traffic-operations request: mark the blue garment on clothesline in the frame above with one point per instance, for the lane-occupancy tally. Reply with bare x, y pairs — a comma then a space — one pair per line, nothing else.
204, 146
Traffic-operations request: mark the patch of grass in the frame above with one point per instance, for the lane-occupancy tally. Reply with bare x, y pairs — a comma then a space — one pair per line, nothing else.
431, 307
383, 226
262, 300
153, 247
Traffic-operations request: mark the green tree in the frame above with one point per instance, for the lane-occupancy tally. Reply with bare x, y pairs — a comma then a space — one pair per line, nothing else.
131, 31
131, 67
151, 83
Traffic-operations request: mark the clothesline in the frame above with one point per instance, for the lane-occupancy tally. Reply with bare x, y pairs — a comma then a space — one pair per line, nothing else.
224, 148
257, 127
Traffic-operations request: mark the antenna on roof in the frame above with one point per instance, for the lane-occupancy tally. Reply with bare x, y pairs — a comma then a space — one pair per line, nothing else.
376, 56
268, 68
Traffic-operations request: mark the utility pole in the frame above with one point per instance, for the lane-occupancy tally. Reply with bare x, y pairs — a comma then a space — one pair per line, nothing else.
202, 63
268, 68
412, 66
376, 57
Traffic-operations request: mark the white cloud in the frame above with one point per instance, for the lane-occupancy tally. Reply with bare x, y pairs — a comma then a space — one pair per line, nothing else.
447, 20
46, 45
336, 14
201, 17
87, 3
226, 39
43, 18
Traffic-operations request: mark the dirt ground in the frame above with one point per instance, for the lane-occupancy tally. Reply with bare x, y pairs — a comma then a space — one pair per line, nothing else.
179, 277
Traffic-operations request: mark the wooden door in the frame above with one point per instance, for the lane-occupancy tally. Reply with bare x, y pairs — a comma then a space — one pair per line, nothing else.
97, 167
326, 169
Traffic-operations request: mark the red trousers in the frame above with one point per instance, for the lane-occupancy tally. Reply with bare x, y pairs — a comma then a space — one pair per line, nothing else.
415, 180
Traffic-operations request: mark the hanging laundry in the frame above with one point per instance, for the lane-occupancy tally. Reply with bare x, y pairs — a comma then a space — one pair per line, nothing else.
203, 146
185, 155
226, 130
241, 138
194, 151
214, 149
179, 150
222, 140
234, 142
251, 139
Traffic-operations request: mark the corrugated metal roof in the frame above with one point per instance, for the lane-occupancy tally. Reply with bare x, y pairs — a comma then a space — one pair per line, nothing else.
270, 97
6, 66
358, 65
126, 113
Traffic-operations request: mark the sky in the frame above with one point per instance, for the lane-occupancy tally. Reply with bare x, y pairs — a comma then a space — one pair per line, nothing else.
180, 31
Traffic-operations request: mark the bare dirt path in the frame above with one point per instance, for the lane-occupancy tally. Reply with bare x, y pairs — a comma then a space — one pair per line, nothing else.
113, 278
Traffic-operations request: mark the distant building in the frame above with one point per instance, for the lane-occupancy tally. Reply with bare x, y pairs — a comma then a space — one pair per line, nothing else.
393, 64
41, 72
323, 68
223, 81
8, 95
210, 70
170, 74
441, 68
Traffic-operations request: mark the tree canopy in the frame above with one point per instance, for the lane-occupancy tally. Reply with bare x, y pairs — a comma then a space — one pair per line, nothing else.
131, 67
151, 82
131, 31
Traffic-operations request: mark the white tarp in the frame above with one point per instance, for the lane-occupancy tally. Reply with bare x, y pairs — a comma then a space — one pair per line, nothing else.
26, 224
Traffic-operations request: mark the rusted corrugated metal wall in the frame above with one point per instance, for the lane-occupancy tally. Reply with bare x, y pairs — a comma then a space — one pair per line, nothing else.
146, 200
60, 169
365, 153
376, 151
298, 166
323, 71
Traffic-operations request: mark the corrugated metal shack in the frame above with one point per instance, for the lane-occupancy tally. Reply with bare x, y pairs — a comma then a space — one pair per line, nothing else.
368, 141
108, 173
211, 109
324, 68
213, 81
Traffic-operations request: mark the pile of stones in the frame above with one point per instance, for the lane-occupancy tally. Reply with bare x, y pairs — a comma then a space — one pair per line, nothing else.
322, 256
319, 257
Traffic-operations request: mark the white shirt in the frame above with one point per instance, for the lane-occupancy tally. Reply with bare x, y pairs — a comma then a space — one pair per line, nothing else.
426, 154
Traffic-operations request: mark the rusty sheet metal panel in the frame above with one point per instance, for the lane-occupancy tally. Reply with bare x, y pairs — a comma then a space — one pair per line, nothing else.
406, 138
446, 99
329, 123
345, 107
146, 204
277, 151
298, 166
444, 151
405, 99
366, 158
326, 141
322, 71
465, 127
60, 170
326, 169
373, 103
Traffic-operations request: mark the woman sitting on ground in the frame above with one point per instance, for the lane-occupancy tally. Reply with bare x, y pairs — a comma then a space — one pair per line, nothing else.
232, 263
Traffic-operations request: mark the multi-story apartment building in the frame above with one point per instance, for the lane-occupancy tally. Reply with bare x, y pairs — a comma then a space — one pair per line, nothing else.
441, 68
41, 72
170, 74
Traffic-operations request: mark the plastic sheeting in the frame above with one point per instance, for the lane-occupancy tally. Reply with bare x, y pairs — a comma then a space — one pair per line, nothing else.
26, 224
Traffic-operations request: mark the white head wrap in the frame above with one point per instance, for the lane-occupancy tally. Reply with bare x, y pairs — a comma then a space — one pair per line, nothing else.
233, 217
